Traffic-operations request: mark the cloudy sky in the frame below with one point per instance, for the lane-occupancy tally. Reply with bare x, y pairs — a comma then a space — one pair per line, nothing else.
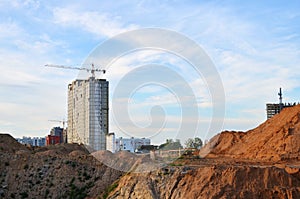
254, 45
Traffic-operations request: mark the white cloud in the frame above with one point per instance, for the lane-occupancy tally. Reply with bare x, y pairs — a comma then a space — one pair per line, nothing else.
32, 4
30, 94
10, 29
95, 22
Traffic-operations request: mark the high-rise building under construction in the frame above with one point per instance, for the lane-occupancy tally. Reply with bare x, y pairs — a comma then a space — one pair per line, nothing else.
88, 112
275, 108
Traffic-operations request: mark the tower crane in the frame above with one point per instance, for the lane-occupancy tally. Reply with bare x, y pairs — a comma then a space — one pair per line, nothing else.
63, 122
92, 70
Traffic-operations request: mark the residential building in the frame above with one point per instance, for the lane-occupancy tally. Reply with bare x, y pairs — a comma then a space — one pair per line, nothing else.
125, 144
38, 141
52, 139
58, 131
111, 142
88, 112
35, 141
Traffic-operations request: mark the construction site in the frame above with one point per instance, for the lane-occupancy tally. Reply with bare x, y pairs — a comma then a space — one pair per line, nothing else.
92, 163
260, 163
275, 108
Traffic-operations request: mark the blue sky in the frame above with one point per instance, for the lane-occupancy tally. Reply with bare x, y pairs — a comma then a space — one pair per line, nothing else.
254, 45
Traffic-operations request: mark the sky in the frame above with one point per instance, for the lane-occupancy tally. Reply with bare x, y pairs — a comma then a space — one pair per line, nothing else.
254, 45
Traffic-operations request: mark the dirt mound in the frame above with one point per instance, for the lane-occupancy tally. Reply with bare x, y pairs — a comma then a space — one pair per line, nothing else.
10, 145
58, 171
218, 181
65, 148
122, 160
126, 161
49, 153
77, 153
276, 139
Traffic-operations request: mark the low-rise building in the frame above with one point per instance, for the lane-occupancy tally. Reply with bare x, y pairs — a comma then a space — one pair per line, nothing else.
52, 139
58, 131
38, 141
35, 141
110, 142
125, 144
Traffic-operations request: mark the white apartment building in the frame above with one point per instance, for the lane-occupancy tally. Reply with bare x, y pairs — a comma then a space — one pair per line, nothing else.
88, 112
125, 144
111, 142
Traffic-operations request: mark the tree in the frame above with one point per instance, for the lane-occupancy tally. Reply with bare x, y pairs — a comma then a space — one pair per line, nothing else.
195, 143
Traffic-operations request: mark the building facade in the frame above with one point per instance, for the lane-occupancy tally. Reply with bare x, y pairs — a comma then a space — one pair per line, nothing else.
125, 144
35, 141
58, 131
88, 112
111, 142
52, 139
273, 109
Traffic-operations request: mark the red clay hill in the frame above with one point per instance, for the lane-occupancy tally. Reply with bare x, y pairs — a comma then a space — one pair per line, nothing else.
276, 139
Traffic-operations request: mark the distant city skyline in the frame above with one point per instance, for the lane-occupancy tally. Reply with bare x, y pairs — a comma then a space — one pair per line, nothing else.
254, 45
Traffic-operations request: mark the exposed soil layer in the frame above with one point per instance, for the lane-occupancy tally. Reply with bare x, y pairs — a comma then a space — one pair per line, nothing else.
260, 163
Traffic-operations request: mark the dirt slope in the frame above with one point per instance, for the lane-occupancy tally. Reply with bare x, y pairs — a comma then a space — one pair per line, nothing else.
214, 181
60, 171
10, 145
276, 139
